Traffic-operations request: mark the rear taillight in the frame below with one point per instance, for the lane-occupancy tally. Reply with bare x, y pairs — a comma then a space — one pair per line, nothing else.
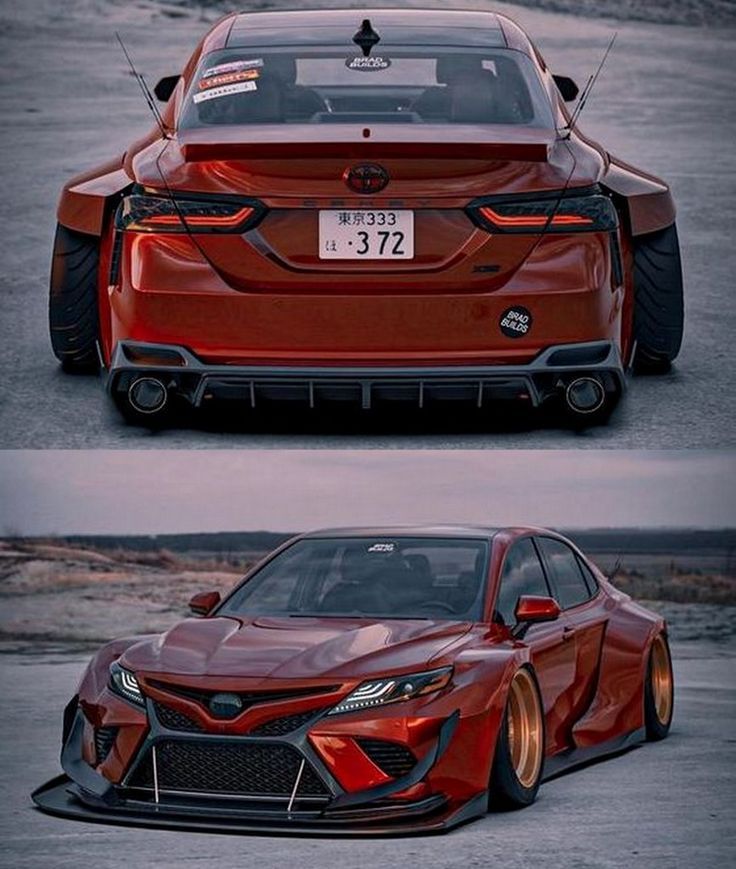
590, 213
146, 213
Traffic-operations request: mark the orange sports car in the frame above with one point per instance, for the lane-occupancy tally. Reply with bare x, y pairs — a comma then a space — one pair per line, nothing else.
367, 680
336, 210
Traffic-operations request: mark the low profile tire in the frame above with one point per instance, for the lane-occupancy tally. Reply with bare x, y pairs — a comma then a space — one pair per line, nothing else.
517, 765
659, 690
658, 300
73, 308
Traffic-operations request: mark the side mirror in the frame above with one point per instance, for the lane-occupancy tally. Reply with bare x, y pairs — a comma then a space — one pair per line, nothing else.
165, 87
531, 609
203, 603
566, 86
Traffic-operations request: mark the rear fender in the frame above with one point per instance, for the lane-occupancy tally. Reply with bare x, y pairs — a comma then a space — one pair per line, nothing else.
646, 199
618, 704
87, 199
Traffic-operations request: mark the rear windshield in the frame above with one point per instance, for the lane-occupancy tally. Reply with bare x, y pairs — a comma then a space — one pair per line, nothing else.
394, 577
416, 86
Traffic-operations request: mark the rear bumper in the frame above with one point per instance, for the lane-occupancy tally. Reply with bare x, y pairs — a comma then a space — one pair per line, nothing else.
196, 382
83, 794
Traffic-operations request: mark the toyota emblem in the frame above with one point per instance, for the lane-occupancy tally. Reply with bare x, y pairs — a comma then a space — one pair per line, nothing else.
367, 178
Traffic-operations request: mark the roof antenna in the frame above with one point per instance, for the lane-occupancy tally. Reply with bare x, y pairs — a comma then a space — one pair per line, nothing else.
366, 37
146, 92
588, 88
616, 569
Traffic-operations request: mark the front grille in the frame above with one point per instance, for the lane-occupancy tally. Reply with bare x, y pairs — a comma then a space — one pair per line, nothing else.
228, 768
390, 757
203, 696
172, 719
286, 724
104, 740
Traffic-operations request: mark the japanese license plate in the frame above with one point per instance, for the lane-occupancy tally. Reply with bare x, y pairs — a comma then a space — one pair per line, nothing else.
364, 234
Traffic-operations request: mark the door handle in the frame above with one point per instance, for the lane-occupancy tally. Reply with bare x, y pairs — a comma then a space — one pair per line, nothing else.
568, 634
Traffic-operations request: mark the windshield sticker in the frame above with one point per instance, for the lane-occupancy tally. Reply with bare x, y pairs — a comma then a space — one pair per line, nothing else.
228, 78
382, 547
225, 91
233, 66
367, 64
516, 322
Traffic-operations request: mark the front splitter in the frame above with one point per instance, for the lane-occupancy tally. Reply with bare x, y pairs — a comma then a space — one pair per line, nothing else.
57, 797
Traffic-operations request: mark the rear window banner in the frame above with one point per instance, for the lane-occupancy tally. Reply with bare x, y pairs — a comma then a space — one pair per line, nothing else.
233, 66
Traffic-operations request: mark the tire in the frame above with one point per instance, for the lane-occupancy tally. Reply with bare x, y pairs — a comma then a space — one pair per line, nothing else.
73, 307
507, 789
658, 300
658, 690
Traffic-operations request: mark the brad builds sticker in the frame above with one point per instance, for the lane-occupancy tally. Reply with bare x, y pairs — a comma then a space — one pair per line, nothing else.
516, 322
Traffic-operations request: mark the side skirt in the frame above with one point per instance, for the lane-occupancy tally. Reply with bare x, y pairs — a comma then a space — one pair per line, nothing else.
566, 761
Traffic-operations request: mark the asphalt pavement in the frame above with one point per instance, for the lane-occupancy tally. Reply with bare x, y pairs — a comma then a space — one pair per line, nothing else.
664, 102
667, 804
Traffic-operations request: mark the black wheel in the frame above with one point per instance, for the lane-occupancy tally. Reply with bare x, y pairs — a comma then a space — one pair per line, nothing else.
517, 765
658, 300
73, 309
659, 690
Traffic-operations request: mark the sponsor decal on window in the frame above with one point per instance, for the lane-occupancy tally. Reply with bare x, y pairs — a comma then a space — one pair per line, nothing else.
225, 91
367, 64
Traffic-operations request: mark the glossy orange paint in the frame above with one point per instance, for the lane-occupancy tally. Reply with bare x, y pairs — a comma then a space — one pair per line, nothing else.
590, 663
265, 298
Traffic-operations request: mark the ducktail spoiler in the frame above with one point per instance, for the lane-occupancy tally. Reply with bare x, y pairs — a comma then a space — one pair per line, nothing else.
244, 144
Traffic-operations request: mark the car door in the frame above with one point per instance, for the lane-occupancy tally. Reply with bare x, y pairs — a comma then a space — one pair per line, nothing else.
576, 591
552, 655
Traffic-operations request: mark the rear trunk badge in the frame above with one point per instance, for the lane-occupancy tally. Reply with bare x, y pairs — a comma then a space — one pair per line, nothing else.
366, 178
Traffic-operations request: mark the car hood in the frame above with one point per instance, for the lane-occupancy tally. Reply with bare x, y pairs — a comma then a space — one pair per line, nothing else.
293, 648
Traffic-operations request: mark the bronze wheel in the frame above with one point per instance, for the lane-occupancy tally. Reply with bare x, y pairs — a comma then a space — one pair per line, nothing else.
517, 766
524, 723
662, 680
659, 693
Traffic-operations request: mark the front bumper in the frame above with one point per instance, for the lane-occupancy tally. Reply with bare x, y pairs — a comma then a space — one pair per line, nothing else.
197, 383
83, 794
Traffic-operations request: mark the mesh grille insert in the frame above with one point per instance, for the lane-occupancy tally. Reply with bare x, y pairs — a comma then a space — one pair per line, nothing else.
175, 720
104, 740
394, 759
286, 724
228, 768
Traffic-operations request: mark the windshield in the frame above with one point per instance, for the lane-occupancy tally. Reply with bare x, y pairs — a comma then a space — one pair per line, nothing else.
416, 86
394, 577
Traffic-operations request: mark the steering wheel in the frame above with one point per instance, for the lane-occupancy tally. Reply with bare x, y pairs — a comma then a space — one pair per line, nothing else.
437, 603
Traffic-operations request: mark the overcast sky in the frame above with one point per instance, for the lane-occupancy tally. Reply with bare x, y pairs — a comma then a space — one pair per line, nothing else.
95, 491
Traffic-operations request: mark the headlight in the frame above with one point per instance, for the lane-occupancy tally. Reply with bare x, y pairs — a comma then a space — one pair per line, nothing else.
124, 683
379, 692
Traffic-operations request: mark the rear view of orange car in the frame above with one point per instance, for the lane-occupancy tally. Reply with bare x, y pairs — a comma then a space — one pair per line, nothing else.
392, 209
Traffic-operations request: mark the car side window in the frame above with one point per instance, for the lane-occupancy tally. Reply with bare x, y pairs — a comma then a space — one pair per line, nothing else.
569, 583
589, 576
522, 575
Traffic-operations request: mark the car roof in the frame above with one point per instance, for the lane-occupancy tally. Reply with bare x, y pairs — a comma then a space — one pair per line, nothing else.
458, 531
395, 26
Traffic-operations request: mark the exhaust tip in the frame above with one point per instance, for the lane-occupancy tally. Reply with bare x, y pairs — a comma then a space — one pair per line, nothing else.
585, 395
147, 395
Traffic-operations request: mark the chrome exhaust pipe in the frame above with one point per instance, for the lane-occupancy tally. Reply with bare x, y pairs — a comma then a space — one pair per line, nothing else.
147, 395
585, 395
